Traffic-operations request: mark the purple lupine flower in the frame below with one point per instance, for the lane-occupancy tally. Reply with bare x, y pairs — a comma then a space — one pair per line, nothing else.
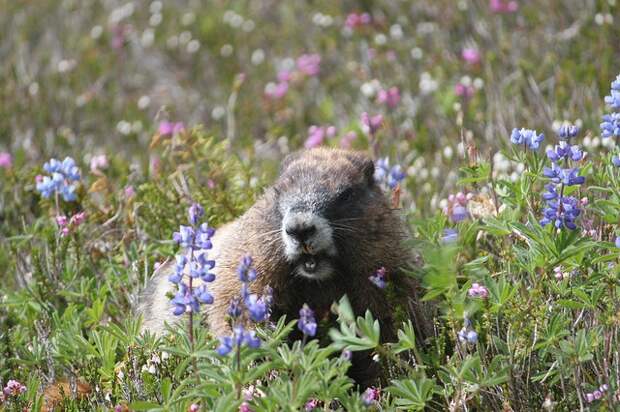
567, 131
564, 151
478, 291
468, 336
456, 208
307, 322
371, 395
234, 309
309, 64
610, 127
526, 137
202, 295
197, 240
184, 301
568, 177
450, 236
613, 100
257, 308
245, 271
371, 124
226, 345
195, 212
379, 278
63, 177
617, 242
389, 176
203, 237
561, 211
240, 337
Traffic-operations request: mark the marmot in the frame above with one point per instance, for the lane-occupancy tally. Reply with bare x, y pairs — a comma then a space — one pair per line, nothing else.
321, 230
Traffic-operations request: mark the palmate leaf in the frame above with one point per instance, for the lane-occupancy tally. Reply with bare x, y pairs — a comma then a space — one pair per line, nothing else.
412, 394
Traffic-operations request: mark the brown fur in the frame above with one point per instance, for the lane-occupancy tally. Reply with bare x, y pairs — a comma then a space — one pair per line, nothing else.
373, 238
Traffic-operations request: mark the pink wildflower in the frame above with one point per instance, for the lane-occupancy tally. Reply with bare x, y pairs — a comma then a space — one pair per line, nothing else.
348, 139
61, 220
478, 291
98, 163
355, 20
245, 407
466, 92
129, 192
503, 6
276, 91
6, 160
13, 388
309, 64
471, 55
285, 76
170, 128
371, 124
316, 136
390, 97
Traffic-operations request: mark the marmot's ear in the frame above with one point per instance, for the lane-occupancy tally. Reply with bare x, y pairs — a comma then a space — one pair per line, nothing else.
369, 171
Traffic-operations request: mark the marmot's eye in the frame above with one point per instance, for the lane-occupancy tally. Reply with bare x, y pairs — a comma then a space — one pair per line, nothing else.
346, 196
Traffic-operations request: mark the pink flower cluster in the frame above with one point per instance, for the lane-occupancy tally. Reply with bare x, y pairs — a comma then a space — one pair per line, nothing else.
464, 91
317, 134
347, 139
309, 64
371, 124
503, 6
167, 128
355, 20
6, 161
389, 97
13, 388
456, 209
597, 394
478, 291
306, 65
66, 226
560, 274
98, 163
371, 395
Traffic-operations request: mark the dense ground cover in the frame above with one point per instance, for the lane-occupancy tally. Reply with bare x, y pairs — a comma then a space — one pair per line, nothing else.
166, 104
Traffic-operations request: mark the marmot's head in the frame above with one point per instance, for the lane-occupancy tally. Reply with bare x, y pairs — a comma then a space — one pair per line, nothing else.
324, 197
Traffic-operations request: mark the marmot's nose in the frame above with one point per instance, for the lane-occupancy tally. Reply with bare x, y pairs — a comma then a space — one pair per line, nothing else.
301, 233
